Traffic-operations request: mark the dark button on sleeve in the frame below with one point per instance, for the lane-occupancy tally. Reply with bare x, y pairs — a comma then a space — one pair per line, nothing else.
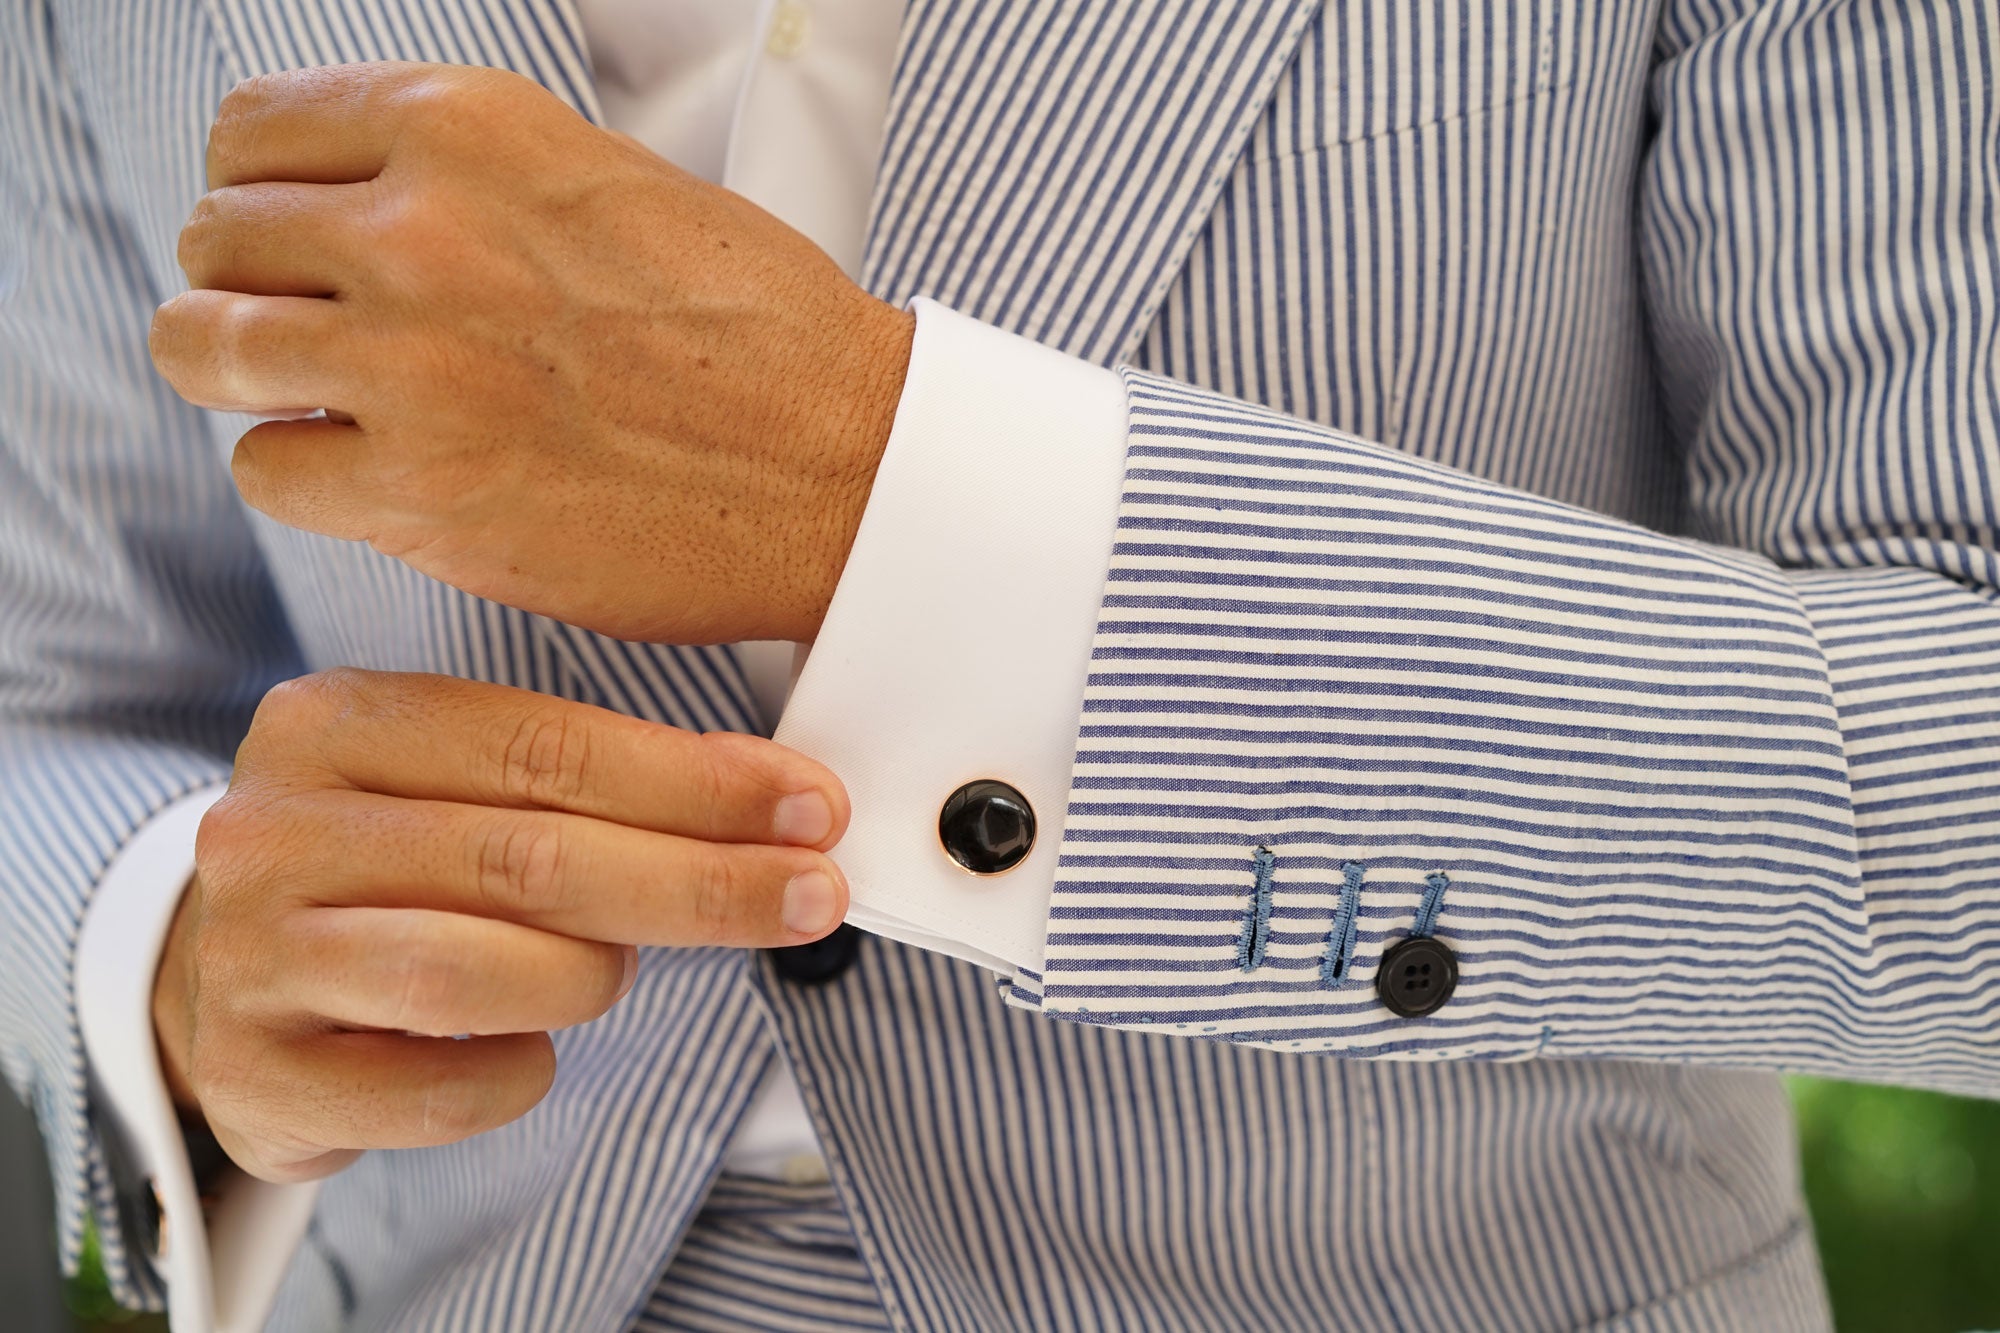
820, 961
1417, 976
987, 827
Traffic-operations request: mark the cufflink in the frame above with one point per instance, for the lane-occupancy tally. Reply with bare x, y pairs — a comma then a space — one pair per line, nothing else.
987, 827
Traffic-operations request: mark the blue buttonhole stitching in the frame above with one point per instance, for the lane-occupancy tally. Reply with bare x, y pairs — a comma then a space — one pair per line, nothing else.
1340, 940
1256, 934
1427, 910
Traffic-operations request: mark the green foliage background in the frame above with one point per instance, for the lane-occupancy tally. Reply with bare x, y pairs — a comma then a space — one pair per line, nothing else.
1905, 1192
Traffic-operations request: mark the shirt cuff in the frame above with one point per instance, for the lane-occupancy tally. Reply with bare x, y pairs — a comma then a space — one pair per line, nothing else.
958, 641
222, 1267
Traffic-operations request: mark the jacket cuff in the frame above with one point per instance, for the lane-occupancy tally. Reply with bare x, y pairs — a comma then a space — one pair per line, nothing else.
1342, 698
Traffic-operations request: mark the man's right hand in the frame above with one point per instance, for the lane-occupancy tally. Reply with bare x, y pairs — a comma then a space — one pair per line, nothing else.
412, 879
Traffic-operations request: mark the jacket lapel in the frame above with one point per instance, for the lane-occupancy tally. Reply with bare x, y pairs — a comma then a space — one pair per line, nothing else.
1048, 163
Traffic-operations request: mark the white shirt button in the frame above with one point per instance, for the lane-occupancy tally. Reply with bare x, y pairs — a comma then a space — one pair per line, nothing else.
790, 26
806, 1168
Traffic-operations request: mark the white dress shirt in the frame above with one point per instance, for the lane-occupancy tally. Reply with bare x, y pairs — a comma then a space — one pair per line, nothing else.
1003, 456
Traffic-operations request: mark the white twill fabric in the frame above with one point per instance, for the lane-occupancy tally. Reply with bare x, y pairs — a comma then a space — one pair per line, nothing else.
1724, 270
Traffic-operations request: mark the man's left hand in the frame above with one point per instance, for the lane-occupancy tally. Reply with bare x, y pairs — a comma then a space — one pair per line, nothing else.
557, 371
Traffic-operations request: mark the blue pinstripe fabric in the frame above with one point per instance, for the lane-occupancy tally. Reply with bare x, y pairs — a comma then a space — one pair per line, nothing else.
1731, 806
1700, 804
765, 1255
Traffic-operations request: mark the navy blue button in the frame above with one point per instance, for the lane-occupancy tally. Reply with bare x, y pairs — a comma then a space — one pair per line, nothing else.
1417, 976
821, 961
987, 827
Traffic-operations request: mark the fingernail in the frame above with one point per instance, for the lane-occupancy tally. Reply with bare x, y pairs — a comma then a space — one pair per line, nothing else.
811, 903
803, 820
631, 971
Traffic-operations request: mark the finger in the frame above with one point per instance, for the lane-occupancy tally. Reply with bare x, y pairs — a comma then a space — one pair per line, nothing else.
313, 1094
240, 353
432, 737
329, 125
281, 1164
318, 475
557, 872
442, 974
275, 239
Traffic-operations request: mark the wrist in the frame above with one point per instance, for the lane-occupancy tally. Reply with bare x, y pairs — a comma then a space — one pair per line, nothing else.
870, 380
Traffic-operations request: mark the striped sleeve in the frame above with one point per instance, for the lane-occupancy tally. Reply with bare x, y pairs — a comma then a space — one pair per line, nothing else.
1729, 798
137, 624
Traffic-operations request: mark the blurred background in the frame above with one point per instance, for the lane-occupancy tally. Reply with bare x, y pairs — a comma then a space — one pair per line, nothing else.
1905, 1191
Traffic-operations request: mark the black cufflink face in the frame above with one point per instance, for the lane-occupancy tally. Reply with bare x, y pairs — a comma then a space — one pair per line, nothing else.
1417, 976
987, 827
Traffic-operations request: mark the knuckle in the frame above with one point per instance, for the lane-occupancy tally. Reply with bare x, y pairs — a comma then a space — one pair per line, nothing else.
547, 759
167, 339
342, 689
714, 780
541, 1067
449, 1112
247, 96
248, 847
282, 1166
312, 702
435, 93
457, 1103
715, 901
441, 111
198, 236
264, 742
242, 327
741, 768
231, 965
225, 829
456, 97
228, 1084
236, 119
539, 1070
343, 679
429, 982
401, 219
295, 718
607, 982
725, 758
520, 866
199, 341
286, 705
248, 470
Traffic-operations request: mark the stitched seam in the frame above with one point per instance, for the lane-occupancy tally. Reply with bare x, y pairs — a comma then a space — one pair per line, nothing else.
1340, 941
1427, 910
1256, 933
1338, 142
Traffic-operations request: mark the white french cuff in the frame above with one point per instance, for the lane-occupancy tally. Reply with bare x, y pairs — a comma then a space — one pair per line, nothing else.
957, 644
222, 1268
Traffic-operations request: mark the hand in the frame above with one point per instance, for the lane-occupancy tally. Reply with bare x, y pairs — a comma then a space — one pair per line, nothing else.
401, 859
562, 373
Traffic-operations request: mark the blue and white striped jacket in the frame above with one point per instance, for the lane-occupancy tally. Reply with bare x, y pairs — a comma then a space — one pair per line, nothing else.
1563, 461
